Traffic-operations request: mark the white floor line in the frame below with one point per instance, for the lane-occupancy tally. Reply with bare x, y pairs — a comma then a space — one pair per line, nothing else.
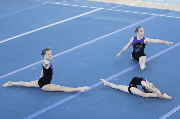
50, 25
81, 45
121, 10
116, 6
170, 112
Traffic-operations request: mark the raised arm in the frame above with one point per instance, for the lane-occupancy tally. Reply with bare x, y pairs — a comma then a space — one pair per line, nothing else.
126, 47
148, 40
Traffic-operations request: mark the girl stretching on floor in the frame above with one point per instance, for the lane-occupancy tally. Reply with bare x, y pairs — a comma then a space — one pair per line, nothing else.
139, 44
45, 79
132, 88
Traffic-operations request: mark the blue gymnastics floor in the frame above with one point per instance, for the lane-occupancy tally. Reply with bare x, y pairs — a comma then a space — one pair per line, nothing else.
84, 38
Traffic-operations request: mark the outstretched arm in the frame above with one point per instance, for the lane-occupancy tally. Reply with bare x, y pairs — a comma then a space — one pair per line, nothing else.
148, 40
126, 47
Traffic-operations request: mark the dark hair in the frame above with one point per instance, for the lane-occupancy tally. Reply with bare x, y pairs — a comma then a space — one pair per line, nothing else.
44, 51
137, 29
146, 90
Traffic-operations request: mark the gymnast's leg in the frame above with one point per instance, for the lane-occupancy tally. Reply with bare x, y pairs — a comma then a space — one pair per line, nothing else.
136, 91
21, 83
142, 61
52, 87
120, 87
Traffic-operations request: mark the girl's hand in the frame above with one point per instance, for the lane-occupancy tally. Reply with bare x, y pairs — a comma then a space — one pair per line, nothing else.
168, 43
46, 64
119, 54
151, 85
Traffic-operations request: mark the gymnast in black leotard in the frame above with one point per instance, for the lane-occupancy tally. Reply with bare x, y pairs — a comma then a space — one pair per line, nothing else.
133, 89
139, 44
137, 81
138, 48
46, 77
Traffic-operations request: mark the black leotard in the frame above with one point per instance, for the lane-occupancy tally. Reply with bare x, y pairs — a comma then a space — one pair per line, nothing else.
138, 48
135, 81
47, 76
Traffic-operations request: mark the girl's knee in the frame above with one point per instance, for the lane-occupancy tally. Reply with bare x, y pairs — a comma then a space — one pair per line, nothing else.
45, 88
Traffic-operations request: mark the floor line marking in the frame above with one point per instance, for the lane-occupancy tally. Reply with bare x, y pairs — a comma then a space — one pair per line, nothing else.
22, 10
83, 6
170, 112
121, 10
81, 45
71, 49
99, 83
65, 4
117, 6
50, 25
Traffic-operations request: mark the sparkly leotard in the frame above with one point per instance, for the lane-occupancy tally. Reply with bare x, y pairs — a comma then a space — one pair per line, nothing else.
138, 48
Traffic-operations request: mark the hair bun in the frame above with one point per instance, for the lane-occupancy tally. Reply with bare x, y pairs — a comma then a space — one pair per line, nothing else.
44, 51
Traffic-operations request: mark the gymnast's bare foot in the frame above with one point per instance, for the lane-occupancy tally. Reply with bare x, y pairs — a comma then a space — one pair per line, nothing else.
167, 96
7, 84
105, 82
82, 89
143, 67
